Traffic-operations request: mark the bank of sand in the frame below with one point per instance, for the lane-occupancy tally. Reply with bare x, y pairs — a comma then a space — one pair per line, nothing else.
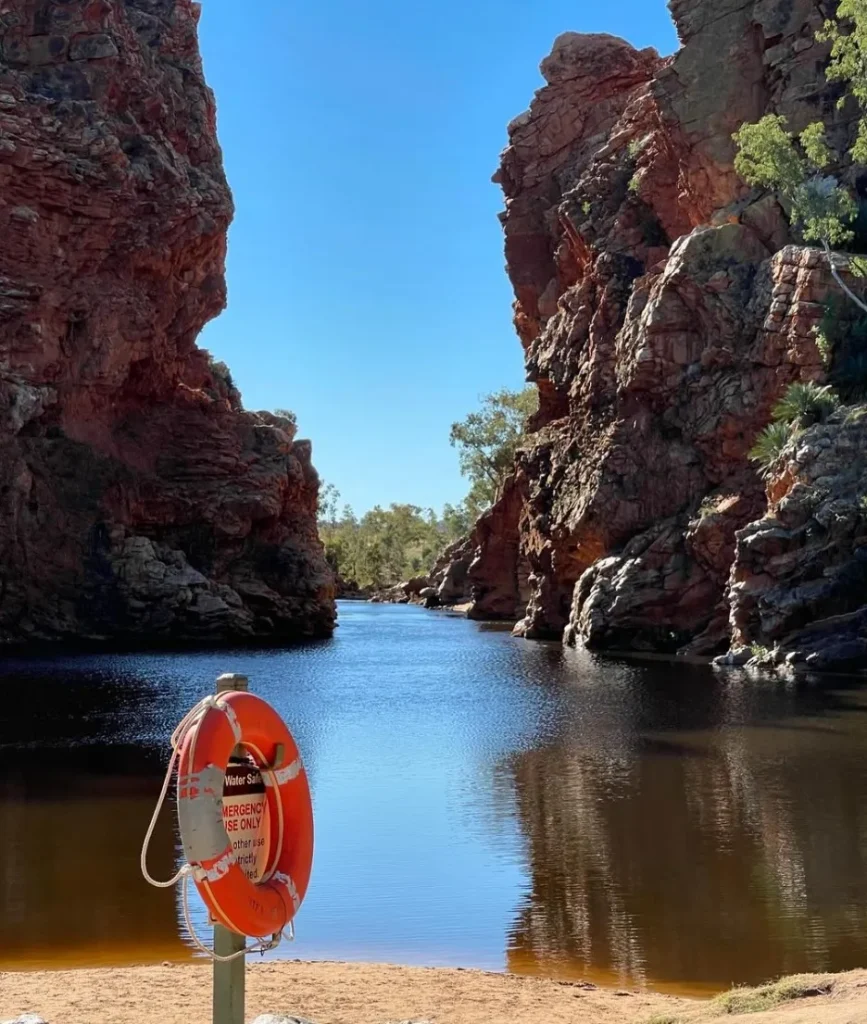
332, 993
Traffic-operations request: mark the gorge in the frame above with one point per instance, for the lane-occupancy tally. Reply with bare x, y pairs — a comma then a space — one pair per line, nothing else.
663, 307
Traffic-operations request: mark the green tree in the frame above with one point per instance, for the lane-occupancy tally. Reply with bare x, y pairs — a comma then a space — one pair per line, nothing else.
796, 167
847, 34
329, 499
385, 546
457, 521
488, 441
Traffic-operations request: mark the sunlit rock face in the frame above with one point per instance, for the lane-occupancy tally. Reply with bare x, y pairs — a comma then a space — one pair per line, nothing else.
138, 499
663, 311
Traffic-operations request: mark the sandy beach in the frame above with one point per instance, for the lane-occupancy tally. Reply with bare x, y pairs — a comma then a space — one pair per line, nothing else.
336, 993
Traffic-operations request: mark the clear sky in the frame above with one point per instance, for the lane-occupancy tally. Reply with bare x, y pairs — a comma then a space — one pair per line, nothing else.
366, 281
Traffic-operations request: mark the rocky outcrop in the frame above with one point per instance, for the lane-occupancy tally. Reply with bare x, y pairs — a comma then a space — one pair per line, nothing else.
139, 500
663, 311
798, 588
349, 590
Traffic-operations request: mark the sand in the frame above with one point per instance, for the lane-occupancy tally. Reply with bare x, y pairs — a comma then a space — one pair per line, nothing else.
334, 993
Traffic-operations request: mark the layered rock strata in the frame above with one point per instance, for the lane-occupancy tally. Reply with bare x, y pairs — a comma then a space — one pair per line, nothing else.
663, 311
139, 500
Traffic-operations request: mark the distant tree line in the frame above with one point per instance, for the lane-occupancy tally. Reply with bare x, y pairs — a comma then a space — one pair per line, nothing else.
385, 546
389, 545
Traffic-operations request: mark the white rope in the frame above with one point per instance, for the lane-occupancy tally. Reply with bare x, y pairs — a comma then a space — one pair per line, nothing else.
188, 723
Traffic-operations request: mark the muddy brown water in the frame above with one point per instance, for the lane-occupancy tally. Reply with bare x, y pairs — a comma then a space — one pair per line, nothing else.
480, 801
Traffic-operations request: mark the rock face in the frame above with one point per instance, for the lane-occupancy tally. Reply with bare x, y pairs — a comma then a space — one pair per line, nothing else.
663, 311
799, 582
139, 499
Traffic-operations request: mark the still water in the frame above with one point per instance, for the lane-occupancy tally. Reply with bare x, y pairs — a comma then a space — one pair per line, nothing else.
480, 801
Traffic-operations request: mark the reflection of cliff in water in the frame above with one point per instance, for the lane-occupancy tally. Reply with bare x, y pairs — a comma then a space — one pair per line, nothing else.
666, 840
72, 819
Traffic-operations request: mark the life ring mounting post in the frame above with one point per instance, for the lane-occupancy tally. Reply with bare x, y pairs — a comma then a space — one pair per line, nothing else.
229, 996
246, 824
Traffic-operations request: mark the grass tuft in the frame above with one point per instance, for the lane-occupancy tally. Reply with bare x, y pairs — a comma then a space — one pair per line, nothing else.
766, 997
769, 447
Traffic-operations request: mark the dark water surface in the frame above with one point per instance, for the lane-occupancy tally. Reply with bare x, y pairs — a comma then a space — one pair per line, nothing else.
480, 801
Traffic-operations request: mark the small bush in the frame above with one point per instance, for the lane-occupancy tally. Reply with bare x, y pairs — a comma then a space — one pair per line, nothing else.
760, 652
586, 207
634, 148
825, 347
287, 414
804, 404
221, 371
634, 184
769, 447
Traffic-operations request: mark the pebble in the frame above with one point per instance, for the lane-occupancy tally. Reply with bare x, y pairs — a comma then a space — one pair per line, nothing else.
273, 1018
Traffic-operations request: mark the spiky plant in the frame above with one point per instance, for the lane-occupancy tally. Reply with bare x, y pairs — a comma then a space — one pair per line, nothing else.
769, 446
805, 403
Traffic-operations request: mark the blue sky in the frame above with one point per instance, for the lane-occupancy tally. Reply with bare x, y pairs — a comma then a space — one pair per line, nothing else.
366, 281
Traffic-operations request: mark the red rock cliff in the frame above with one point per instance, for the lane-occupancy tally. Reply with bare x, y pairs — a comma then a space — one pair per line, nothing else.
662, 312
138, 499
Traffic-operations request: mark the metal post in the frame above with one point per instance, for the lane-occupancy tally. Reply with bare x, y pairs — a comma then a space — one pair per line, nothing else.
229, 977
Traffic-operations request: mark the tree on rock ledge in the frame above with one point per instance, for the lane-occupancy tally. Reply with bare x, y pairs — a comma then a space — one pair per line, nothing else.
795, 167
488, 441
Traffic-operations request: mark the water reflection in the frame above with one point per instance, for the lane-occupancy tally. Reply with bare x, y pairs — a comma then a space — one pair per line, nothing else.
693, 836
479, 801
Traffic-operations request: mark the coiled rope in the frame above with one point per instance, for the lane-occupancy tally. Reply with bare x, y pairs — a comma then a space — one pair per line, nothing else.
190, 724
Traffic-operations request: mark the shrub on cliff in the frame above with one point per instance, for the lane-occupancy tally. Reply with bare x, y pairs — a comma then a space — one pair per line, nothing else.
803, 405
289, 416
769, 447
221, 372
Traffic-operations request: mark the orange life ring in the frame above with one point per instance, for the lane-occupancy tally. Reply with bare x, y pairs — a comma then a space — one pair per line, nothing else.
243, 906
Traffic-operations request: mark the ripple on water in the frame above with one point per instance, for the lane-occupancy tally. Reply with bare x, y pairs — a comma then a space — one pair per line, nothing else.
480, 801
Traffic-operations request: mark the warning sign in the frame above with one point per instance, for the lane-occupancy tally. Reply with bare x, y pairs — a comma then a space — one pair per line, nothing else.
246, 817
